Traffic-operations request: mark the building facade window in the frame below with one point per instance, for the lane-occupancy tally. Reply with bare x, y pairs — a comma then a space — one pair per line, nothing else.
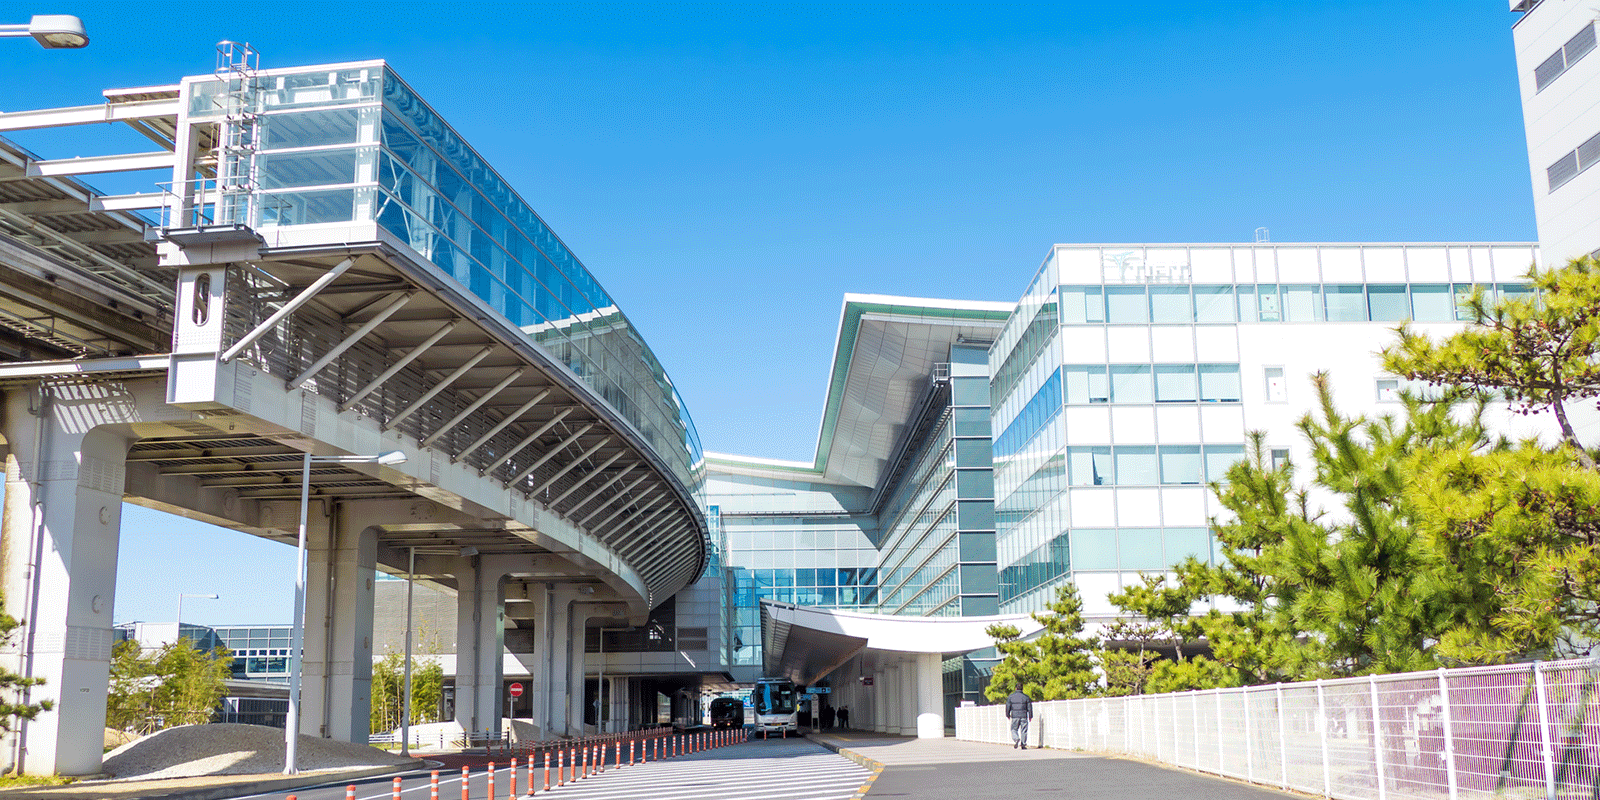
1580, 45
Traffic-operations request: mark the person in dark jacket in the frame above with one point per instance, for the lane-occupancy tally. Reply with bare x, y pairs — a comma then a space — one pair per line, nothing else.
1019, 708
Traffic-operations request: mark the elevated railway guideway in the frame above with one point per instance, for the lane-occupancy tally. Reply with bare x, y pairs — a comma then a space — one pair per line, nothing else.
331, 270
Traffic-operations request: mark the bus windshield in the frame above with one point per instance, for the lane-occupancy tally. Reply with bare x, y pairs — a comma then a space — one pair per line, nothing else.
774, 698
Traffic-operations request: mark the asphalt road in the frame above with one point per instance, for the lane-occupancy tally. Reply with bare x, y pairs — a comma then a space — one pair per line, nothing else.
1082, 778
792, 769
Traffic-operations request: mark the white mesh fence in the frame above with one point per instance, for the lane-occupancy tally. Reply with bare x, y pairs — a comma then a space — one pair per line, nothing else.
1516, 731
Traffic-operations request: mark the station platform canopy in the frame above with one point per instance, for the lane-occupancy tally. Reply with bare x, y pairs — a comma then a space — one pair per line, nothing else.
805, 643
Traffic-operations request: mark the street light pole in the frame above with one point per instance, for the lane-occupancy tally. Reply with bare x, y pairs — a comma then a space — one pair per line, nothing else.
180, 608
291, 720
51, 31
405, 713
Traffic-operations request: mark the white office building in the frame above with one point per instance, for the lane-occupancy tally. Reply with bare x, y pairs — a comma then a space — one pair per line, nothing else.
1129, 377
1559, 76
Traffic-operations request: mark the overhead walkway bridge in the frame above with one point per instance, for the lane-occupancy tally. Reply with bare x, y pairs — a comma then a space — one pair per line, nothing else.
329, 270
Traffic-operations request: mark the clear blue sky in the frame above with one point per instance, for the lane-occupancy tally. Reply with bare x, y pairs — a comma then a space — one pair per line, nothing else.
729, 172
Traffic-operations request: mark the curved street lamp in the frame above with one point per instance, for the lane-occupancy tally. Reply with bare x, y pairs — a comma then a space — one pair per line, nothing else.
51, 31
291, 721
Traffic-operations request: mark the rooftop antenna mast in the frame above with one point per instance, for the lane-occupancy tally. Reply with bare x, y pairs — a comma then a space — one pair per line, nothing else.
1262, 235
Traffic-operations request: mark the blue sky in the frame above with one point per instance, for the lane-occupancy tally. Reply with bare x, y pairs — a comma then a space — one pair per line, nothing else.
730, 171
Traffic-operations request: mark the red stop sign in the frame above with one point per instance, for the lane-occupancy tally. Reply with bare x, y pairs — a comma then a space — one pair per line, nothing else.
516, 690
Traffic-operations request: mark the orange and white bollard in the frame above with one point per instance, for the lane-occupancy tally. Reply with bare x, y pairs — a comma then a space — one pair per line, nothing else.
433, 786
396, 789
490, 795
350, 792
561, 768
513, 793
547, 770
466, 773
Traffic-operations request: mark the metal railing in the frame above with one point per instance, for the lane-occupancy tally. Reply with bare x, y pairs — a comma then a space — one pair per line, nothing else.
1522, 730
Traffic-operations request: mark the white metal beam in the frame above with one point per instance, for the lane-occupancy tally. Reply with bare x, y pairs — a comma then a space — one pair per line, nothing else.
444, 383
409, 357
655, 509
622, 494
289, 307
473, 407
604, 440
502, 425
85, 115
578, 484
128, 202
527, 440
93, 165
622, 506
395, 304
552, 453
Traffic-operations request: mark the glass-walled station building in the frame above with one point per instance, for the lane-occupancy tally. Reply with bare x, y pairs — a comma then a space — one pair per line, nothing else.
895, 515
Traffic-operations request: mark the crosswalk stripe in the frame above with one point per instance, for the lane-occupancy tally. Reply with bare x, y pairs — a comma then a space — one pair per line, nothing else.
754, 771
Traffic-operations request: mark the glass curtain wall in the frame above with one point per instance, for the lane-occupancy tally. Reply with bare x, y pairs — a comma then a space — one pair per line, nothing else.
337, 145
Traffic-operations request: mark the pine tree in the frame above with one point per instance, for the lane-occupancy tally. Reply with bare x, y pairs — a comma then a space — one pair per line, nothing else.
1324, 595
1542, 352
1057, 664
11, 684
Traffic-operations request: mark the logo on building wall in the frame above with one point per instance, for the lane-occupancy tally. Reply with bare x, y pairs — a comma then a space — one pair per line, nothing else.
1130, 267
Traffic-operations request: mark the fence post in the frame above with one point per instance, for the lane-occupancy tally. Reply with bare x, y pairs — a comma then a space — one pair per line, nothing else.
1544, 732
1222, 761
1377, 738
1283, 739
1449, 735
1194, 709
1249, 738
1322, 730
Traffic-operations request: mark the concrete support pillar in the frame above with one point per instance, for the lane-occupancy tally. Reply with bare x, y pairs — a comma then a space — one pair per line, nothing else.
930, 696
581, 612
62, 522
892, 700
480, 641
336, 679
908, 696
880, 705
555, 634
530, 705
577, 663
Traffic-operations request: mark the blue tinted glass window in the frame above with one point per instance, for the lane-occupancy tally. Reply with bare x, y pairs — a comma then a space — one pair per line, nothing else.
1140, 548
1126, 304
1089, 466
1131, 384
1345, 303
1213, 304
1388, 303
1136, 466
1175, 383
1170, 304
1180, 464
1432, 302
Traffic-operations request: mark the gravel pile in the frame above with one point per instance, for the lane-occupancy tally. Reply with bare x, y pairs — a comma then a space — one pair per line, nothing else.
228, 749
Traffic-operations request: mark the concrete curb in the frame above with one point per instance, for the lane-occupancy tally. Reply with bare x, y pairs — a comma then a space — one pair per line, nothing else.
281, 784
876, 766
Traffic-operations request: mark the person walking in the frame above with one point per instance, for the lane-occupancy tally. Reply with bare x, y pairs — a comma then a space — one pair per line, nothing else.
1019, 708
844, 717
827, 717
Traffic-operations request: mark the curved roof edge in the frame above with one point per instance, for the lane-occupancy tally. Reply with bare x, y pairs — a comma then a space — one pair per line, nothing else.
892, 308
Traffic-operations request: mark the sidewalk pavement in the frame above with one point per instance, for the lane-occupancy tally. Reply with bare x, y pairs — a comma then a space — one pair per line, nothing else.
210, 787
948, 769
